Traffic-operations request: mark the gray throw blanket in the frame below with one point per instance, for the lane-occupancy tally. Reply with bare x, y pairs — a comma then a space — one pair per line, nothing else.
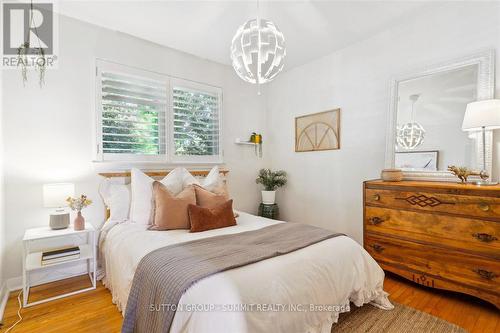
163, 275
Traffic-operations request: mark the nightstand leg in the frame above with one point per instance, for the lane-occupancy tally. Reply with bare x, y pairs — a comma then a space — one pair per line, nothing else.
25, 274
89, 271
88, 260
94, 249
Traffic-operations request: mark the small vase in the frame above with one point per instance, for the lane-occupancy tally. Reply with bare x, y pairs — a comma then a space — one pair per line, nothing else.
79, 223
268, 197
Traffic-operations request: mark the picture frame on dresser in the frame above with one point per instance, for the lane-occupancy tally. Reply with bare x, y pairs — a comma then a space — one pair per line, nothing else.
417, 160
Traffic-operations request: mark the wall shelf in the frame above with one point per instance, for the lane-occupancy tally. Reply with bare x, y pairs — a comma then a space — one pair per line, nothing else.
244, 143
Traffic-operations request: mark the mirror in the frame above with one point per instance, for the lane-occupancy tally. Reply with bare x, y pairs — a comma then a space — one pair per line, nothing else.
425, 131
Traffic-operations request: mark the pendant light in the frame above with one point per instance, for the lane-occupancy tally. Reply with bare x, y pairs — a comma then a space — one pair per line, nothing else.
258, 51
410, 135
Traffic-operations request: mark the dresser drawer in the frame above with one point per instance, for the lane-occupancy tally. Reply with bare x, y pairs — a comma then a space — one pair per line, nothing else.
452, 265
458, 232
474, 206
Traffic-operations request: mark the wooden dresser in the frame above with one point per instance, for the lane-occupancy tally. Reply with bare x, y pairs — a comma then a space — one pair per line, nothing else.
440, 235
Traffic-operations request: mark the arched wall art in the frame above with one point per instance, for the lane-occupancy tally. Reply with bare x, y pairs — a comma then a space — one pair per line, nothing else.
318, 131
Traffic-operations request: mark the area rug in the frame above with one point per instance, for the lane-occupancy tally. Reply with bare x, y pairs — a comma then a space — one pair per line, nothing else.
400, 320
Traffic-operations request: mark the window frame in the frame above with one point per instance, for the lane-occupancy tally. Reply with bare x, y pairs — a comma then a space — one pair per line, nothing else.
169, 157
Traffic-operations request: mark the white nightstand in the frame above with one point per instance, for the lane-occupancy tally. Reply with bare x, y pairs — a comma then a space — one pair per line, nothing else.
32, 260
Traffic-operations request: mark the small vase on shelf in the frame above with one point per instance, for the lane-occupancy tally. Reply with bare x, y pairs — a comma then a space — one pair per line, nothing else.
79, 223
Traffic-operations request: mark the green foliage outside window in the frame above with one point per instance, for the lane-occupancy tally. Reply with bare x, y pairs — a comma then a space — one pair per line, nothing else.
196, 123
130, 128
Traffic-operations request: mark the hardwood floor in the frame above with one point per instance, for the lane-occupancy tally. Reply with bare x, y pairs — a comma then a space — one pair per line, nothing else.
93, 311
471, 313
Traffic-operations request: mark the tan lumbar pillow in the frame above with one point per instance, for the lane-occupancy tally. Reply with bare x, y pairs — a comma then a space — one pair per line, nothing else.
171, 211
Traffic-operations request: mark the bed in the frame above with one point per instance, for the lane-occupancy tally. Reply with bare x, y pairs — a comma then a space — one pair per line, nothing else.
332, 272
302, 291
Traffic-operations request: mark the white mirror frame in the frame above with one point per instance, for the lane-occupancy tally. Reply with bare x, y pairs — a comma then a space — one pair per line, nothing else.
485, 90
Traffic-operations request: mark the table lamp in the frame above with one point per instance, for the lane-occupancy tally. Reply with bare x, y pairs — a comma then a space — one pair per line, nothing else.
482, 116
54, 196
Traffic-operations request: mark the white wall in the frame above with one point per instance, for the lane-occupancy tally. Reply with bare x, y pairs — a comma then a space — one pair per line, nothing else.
325, 188
48, 132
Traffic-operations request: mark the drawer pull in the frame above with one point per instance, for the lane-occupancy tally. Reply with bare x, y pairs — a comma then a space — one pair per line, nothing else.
376, 220
376, 197
378, 248
485, 274
487, 238
484, 207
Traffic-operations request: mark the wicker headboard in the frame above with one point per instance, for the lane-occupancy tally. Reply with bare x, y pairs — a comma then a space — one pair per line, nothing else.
154, 174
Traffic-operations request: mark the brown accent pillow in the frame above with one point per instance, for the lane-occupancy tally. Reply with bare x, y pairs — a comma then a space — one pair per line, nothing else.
203, 219
171, 211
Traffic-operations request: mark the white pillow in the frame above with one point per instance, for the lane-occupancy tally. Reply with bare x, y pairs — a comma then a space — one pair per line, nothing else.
117, 199
188, 178
142, 192
211, 181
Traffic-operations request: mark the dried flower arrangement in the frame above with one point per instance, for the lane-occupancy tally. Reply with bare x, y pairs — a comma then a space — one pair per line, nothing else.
78, 203
40, 63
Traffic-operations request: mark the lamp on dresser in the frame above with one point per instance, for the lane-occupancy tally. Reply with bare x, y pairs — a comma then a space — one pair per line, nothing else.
482, 116
54, 196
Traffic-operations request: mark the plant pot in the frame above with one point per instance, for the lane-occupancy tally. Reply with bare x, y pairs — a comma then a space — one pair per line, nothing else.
268, 197
79, 223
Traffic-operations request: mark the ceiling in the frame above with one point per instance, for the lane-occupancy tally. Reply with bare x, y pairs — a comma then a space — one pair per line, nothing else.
312, 29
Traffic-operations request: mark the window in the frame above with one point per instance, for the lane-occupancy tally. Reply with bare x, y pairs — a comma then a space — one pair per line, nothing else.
136, 122
196, 122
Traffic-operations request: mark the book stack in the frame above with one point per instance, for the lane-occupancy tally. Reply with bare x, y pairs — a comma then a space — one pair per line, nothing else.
60, 255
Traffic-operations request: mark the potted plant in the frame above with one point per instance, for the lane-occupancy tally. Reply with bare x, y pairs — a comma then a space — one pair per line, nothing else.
272, 180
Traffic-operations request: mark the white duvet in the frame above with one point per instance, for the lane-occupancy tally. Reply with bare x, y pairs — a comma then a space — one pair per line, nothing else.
296, 292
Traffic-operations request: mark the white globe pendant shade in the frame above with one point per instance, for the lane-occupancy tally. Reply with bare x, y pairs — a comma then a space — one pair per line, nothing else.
257, 51
410, 135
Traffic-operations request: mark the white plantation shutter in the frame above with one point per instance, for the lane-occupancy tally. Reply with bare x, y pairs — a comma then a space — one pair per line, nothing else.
145, 116
196, 121
133, 112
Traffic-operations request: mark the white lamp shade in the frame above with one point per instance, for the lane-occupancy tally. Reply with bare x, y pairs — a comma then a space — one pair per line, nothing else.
482, 114
55, 195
